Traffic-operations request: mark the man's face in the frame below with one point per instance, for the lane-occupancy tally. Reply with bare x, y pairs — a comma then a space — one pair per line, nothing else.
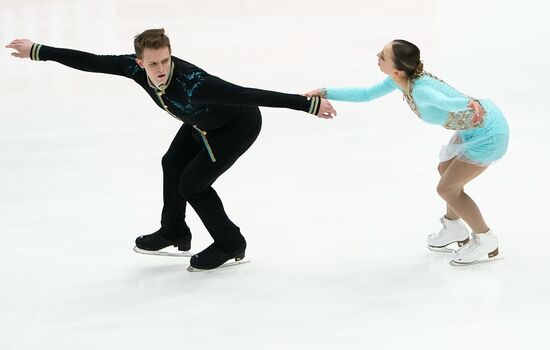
157, 64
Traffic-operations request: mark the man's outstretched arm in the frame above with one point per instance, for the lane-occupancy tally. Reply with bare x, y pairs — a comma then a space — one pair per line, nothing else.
214, 90
109, 64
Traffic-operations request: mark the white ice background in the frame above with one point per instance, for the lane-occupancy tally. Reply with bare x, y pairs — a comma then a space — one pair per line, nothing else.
335, 212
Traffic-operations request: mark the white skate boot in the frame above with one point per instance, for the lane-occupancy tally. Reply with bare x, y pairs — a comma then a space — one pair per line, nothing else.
483, 247
453, 231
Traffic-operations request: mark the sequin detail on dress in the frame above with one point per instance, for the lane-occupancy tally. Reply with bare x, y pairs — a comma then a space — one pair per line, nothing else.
461, 120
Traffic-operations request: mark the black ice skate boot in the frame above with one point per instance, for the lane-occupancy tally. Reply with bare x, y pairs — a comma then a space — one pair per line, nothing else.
153, 243
213, 257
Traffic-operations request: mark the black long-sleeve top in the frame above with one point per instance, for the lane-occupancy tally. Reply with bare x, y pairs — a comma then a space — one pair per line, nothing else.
190, 94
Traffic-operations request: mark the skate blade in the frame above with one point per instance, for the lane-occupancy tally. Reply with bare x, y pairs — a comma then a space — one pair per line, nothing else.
446, 249
227, 264
481, 261
442, 249
186, 254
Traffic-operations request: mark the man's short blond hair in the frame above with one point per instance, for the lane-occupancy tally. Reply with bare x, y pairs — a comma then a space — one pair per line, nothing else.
151, 39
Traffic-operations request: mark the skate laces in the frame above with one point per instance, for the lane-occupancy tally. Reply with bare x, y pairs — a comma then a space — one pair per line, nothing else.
440, 233
469, 247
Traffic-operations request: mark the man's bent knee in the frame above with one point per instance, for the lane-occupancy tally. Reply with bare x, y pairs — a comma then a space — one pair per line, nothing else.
191, 190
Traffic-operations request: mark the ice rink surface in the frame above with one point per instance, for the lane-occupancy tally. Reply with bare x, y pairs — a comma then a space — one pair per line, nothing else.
335, 212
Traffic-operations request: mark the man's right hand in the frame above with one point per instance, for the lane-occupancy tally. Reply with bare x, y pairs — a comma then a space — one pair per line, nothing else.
22, 48
326, 111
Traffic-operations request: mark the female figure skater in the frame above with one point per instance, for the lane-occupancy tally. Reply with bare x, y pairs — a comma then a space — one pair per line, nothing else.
481, 138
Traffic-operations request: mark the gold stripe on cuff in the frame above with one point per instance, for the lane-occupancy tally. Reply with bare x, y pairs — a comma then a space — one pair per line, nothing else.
313, 106
317, 99
37, 54
33, 48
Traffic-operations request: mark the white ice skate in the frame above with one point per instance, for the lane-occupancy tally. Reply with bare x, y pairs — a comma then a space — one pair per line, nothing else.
453, 231
481, 248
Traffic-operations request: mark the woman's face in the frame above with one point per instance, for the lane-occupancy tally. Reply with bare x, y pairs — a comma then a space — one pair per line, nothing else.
385, 60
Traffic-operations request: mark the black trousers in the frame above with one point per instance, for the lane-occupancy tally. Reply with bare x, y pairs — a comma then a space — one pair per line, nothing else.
189, 174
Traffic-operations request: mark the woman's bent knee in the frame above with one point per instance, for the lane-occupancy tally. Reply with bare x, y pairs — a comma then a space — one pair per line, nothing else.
448, 192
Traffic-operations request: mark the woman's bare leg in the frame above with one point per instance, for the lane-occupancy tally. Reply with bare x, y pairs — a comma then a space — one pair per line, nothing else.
451, 188
442, 167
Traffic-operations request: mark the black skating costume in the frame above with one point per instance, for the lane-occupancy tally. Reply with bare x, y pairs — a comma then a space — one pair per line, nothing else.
221, 121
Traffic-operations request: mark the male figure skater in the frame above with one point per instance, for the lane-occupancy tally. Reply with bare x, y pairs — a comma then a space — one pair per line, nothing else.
220, 122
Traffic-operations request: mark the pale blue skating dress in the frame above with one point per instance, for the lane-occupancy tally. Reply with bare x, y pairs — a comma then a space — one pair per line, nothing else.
435, 102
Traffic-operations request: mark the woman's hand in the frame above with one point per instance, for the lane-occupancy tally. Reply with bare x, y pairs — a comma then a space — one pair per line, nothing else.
317, 92
479, 112
326, 111
22, 48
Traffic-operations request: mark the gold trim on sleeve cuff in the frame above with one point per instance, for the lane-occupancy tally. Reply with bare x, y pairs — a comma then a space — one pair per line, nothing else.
33, 47
38, 52
314, 104
35, 50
